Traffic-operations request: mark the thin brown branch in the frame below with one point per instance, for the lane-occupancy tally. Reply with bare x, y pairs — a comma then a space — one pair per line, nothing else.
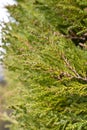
83, 45
73, 69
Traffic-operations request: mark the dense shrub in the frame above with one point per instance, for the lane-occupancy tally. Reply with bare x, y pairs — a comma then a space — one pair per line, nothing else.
47, 72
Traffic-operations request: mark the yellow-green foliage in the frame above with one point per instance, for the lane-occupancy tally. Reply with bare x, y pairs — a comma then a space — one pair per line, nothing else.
47, 72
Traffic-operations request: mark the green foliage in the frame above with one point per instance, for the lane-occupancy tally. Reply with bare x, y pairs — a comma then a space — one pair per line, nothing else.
47, 73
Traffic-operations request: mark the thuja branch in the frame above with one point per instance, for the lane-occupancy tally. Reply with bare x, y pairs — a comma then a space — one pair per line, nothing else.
77, 75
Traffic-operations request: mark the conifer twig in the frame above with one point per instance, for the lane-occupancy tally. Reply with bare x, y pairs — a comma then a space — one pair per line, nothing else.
73, 69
